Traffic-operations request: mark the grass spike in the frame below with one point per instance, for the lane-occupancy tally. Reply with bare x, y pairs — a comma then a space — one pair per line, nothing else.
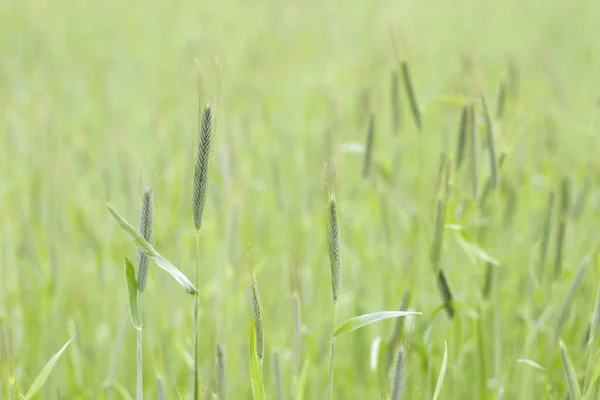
398, 381
202, 166
412, 97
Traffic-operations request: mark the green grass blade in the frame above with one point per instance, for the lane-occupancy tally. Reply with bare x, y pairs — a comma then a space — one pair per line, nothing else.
574, 389
531, 363
594, 379
132, 290
41, 379
438, 385
367, 319
151, 253
301, 384
475, 251
258, 390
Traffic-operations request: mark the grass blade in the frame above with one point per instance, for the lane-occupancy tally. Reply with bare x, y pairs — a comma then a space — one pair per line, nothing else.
361, 321
132, 290
42, 377
258, 390
410, 91
151, 253
570, 374
438, 385
475, 251
531, 363
564, 312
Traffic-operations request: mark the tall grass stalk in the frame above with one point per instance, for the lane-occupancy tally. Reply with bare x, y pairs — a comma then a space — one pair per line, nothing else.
146, 229
335, 264
201, 171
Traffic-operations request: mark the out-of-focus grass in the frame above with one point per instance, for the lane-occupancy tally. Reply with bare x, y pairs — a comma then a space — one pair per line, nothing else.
99, 98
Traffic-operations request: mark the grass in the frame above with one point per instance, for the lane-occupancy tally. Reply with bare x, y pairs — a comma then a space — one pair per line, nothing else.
98, 101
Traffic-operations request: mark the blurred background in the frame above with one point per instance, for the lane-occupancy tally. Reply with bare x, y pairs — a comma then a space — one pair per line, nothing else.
99, 99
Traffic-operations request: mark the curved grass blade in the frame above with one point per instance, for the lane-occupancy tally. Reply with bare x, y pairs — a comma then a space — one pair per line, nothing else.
564, 312
446, 293
147, 249
132, 290
531, 363
367, 319
258, 390
574, 389
301, 384
438, 385
41, 379
475, 251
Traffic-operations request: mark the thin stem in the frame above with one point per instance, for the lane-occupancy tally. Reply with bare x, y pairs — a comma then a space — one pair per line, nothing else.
140, 394
196, 394
332, 356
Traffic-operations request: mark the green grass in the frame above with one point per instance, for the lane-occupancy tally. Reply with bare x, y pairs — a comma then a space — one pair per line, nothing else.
98, 100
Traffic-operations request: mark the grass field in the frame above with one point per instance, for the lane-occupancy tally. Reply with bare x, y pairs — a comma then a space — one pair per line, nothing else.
100, 99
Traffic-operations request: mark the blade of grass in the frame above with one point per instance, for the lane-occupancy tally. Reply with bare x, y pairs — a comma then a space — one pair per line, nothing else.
564, 312
132, 290
152, 254
361, 321
570, 374
440, 381
42, 377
